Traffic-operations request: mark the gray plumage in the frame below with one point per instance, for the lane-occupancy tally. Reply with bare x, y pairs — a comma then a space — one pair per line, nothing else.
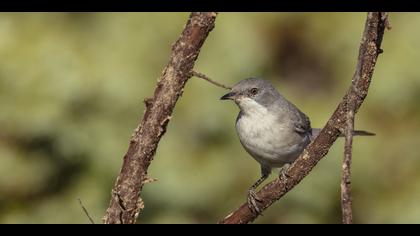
270, 128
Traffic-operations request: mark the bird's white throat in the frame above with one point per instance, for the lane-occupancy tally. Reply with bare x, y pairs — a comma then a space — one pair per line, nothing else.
250, 107
255, 124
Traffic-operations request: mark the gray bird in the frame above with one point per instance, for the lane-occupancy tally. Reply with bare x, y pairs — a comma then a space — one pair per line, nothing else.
270, 128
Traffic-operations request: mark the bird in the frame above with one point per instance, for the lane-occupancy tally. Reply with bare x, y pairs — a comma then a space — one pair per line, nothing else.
270, 128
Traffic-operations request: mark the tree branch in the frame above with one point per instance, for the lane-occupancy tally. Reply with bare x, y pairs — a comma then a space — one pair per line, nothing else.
125, 204
346, 200
203, 76
368, 53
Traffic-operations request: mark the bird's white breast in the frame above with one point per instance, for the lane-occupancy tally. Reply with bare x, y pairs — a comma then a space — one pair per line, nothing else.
268, 140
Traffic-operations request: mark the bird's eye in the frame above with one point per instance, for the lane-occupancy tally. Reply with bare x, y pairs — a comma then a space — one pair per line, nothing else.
254, 91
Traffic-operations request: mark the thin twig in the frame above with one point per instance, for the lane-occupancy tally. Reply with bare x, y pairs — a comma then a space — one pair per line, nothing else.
86, 212
203, 76
318, 148
346, 198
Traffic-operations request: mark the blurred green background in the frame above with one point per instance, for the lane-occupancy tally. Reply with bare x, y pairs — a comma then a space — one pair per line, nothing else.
71, 91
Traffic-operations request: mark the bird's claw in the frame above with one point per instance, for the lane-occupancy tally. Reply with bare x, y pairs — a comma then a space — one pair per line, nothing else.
283, 170
284, 176
252, 202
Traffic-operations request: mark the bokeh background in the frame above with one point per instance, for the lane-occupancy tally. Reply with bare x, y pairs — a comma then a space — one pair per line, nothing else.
71, 91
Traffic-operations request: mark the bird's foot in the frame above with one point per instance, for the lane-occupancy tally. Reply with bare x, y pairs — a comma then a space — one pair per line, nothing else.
283, 175
252, 202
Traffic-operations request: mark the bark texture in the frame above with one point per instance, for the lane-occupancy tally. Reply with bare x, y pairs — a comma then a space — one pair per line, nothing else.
369, 50
126, 203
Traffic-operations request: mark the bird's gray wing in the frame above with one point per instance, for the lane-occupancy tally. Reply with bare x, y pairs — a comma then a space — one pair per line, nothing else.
303, 124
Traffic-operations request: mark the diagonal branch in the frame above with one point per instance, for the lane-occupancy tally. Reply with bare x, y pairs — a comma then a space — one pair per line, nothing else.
368, 53
125, 204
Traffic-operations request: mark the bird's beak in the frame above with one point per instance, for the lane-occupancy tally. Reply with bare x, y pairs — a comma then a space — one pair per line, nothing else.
228, 96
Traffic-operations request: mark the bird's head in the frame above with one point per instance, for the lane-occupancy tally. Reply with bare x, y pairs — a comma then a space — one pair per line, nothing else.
252, 93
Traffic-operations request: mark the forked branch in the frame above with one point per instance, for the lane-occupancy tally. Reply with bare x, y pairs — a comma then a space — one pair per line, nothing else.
369, 50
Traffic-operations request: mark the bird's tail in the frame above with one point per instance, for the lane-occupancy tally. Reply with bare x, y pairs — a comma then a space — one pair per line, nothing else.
316, 131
